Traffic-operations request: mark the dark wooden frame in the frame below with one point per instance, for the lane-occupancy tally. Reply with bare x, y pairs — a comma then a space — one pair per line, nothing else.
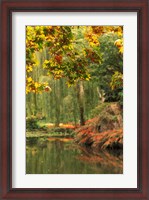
9, 6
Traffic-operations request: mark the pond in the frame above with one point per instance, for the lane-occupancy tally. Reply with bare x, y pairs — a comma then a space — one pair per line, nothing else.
63, 156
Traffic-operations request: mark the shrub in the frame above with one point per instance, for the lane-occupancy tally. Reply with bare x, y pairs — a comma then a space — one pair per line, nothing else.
31, 123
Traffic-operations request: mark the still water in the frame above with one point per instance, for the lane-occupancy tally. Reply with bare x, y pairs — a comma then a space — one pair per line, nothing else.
63, 156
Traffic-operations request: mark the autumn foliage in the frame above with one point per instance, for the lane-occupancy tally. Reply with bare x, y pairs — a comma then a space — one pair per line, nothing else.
68, 56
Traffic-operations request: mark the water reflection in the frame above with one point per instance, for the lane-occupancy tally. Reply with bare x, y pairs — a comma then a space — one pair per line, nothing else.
62, 156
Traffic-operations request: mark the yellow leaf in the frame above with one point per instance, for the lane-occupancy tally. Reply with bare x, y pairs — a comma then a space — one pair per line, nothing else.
29, 69
121, 50
36, 85
29, 79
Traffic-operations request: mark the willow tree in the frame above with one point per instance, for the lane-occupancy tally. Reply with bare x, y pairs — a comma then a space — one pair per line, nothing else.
73, 50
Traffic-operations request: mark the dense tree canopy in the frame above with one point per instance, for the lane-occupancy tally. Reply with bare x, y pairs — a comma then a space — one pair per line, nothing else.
71, 50
70, 64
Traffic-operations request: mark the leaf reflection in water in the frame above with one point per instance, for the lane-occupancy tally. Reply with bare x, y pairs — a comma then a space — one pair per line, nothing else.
104, 159
63, 156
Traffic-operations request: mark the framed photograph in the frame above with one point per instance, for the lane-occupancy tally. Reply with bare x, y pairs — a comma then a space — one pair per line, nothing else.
74, 99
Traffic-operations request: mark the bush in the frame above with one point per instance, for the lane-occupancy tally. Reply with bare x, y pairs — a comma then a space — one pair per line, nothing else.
31, 123
99, 109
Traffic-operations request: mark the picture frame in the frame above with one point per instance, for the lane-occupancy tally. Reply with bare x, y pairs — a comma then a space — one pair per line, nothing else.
7, 8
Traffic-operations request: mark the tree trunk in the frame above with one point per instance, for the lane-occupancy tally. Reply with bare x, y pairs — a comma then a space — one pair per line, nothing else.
80, 97
100, 94
57, 103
